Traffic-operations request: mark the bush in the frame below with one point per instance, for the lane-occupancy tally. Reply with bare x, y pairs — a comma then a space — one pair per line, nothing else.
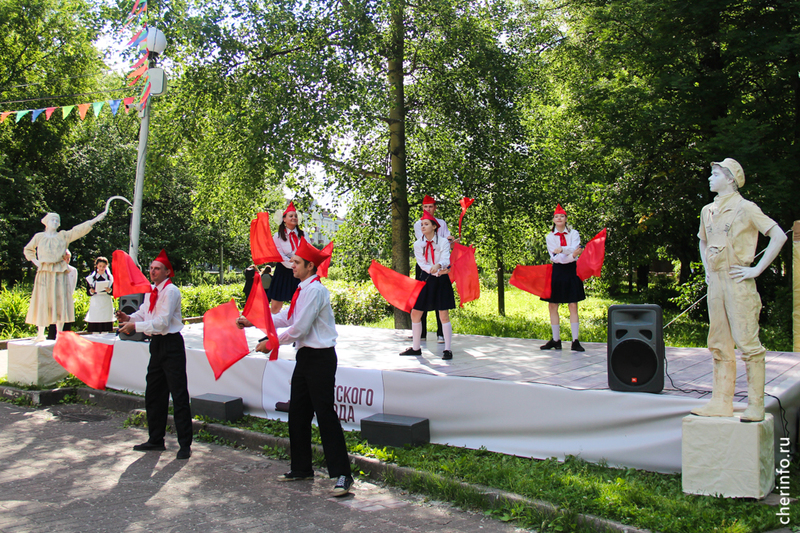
356, 303
691, 291
195, 301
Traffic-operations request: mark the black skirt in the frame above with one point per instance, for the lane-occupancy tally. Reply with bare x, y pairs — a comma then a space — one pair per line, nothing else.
566, 286
436, 295
283, 284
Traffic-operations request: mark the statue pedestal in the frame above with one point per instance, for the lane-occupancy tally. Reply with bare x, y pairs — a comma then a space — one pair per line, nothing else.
726, 457
33, 364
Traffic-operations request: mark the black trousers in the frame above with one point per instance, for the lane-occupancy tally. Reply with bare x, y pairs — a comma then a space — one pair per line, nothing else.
439, 333
313, 383
166, 374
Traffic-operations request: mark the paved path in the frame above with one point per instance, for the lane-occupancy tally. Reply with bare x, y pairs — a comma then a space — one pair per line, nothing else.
71, 468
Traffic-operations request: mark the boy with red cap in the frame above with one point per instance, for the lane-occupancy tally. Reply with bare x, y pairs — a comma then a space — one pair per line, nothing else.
160, 318
564, 247
312, 327
429, 206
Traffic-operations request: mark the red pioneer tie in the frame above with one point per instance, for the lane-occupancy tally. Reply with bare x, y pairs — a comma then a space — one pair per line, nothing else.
295, 296
429, 246
294, 241
154, 295
563, 235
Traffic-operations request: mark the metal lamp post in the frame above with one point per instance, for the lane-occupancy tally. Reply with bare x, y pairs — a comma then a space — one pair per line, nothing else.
156, 43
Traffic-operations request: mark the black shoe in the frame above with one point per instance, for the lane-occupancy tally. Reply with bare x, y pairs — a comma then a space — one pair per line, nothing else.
342, 487
447, 355
296, 476
150, 447
576, 346
412, 351
184, 453
551, 344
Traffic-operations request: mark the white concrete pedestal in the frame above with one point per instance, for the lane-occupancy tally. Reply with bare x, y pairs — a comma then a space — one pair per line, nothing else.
33, 364
726, 457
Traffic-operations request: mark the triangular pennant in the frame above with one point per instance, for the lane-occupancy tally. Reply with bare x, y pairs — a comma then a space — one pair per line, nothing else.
397, 289
136, 36
257, 311
97, 106
128, 279
48, 112
146, 93
262, 245
590, 262
21, 114
223, 342
128, 103
141, 61
138, 72
66, 110
114, 105
464, 273
322, 269
86, 360
82, 109
36, 113
4, 115
135, 5
536, 279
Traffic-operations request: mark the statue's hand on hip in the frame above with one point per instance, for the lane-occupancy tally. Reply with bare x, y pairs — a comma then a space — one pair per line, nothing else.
740, 273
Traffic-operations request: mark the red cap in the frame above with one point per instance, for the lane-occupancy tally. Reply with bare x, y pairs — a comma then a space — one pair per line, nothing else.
162, 258
428, 216
309, 253
289, 208
428, 200
559, 211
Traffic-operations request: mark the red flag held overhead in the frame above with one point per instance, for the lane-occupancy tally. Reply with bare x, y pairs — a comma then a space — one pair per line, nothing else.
128, 279
465, 203
262, 246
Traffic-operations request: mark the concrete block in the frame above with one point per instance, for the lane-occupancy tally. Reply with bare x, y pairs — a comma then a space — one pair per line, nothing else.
218, 407
726, 457
33, 364
395, 430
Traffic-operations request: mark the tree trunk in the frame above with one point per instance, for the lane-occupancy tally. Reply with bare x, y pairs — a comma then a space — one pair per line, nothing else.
642, 277
501, 288
397, 152
221, 272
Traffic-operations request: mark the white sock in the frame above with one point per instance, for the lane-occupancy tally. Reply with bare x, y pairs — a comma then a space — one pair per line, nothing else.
447, 329
556, 331
416, 331
575, 327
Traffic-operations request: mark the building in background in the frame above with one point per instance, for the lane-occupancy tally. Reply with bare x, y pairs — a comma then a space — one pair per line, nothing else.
321, 224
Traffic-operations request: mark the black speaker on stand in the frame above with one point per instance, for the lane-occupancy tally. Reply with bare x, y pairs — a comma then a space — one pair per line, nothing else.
635, 348
129, 304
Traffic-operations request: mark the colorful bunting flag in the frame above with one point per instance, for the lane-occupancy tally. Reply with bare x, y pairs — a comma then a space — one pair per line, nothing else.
66, 110
21, 114
82, 109
223, 342
48, 112
36, 113
86, 360
96, 107
114, 106
4, 115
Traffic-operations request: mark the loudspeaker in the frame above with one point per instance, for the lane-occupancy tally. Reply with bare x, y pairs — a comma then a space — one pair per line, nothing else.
635, 348
129, 304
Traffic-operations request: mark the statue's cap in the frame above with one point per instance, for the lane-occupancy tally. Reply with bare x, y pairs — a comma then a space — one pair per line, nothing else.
734, 167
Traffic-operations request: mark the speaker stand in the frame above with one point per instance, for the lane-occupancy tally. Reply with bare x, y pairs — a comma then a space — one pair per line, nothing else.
726, 457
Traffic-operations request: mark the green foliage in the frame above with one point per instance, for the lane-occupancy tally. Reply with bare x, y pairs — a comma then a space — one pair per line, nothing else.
356, 303
13, 308
136, 419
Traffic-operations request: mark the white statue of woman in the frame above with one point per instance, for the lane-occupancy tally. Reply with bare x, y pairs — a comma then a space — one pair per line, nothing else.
51, 301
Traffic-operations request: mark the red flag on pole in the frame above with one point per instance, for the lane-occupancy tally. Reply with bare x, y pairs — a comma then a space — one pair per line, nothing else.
256, 310
86, 360
465, 203
262, 247
128, 279
223, 342
322, 269
464, 273
534, 279
399, 290
590, 262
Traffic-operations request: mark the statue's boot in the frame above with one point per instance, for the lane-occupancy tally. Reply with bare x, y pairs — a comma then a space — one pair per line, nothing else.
721, 403
755, 392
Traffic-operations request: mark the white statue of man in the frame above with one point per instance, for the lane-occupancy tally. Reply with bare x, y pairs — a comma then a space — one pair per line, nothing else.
51, 301
729, 228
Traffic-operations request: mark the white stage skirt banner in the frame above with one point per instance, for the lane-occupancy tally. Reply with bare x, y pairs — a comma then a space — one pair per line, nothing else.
358, 393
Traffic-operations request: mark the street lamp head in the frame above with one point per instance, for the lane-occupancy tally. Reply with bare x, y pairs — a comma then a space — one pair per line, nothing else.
156, 42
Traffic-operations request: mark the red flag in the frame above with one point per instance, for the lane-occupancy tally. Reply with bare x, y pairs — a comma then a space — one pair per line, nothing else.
536, 279
322, 269
465, 203
223, 341
262, 247
128, 279
256, 310
86, 360
464, 273
399, 290
590, 262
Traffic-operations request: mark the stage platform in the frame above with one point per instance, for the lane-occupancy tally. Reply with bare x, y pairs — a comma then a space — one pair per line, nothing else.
503, 394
